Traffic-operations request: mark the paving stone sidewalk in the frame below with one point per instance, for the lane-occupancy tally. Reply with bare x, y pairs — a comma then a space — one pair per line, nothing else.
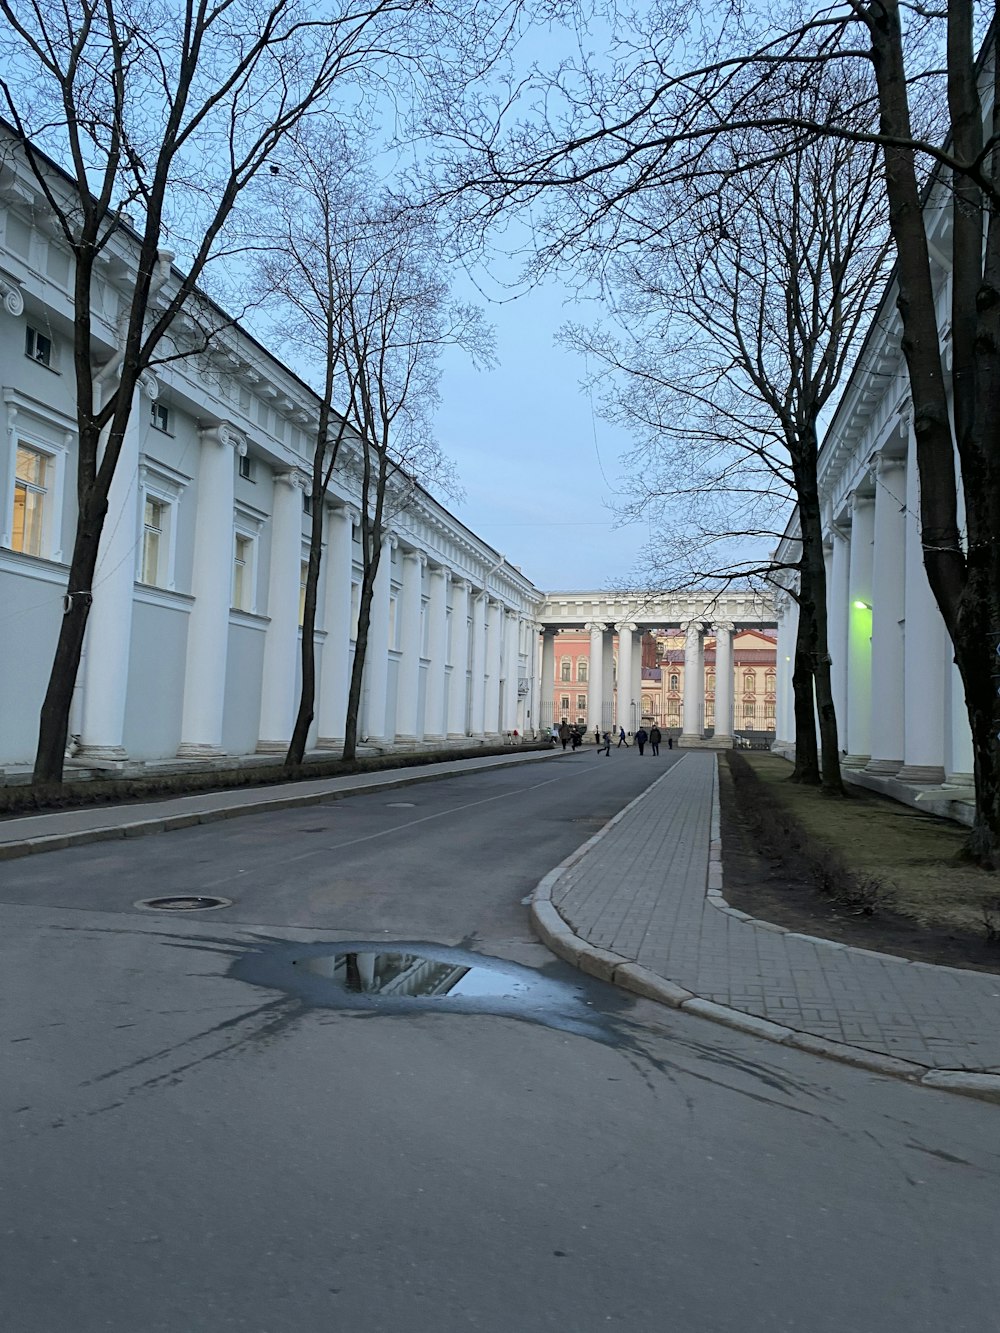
639, 892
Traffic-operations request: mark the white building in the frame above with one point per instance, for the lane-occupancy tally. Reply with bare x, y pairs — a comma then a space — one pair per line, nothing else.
192, 646
902, 722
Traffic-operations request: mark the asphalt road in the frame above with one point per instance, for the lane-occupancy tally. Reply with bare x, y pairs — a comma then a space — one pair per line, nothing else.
188, 1149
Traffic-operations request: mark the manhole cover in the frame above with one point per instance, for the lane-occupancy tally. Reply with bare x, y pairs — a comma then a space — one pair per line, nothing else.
183, 902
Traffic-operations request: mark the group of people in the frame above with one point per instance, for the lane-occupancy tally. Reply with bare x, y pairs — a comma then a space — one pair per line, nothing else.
573, 736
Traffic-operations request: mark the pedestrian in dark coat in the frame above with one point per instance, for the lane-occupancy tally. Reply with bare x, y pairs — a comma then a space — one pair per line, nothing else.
654, 738
670, 742
641, 737
621, 738
564, 733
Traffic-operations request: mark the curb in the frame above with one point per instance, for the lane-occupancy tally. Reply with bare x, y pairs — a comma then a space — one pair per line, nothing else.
626, 973
57, 842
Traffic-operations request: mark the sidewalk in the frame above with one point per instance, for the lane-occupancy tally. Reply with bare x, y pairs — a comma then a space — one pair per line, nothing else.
642, 904
23, 835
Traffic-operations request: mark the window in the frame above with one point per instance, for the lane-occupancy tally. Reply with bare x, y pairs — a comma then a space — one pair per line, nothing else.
565, 669
581, 702
307, 504
769, 682
246, 467
749, 682
675, 682
581, 669
673, 708
159, 418
31, 489
710, 682
748, 710
243, 572
38, 347
355, 608
564, 703
154, 521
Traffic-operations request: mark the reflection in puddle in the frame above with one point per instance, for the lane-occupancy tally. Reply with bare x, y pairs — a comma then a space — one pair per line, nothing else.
411, 978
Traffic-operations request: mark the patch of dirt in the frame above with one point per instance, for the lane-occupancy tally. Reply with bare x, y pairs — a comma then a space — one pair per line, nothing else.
865, 870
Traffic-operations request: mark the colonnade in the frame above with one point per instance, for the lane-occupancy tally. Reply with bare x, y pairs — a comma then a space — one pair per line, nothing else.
897, 692
601, 678
446, 656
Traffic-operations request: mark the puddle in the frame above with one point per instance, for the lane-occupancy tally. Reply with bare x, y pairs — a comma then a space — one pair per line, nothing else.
400, 805
406, 977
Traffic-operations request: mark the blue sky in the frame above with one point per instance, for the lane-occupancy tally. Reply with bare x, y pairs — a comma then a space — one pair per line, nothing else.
541, 471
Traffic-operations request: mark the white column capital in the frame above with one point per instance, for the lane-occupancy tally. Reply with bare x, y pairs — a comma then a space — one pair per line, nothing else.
595, 626
224, 435
294, 477
626, 627
722, 627
10, 293
415, 557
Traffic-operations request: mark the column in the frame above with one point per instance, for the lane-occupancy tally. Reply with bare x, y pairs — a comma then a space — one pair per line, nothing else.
837, 629
959, 760
479, 664
788, 624
277, 691
335, 678
411, 644
888, 577
925, 650
692, 704
636, 692
376, 678
626, 696
458, 682
211, 583
494, 658
608, 679
435, 725
511, 670
595, 679
723, 631
109, 625
859, 633
545, 706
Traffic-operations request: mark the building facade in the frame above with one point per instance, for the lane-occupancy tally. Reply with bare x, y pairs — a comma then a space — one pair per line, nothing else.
604, 657
193, 643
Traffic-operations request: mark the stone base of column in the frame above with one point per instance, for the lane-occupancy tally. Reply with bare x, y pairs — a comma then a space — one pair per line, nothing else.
102, 754
329, 743
458, 736
272, 747
932, 774
197, 750
434, 738
696, 742
855, 761
963, 780
407, 738
887, 767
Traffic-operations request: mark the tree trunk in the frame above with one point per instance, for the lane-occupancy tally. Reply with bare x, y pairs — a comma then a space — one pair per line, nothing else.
806, 754
307, 694
813, 578
360, 652
54, 720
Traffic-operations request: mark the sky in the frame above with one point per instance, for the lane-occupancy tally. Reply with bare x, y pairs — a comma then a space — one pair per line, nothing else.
541, 471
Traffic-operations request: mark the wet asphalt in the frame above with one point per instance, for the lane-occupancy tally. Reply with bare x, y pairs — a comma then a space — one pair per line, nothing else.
195, 1138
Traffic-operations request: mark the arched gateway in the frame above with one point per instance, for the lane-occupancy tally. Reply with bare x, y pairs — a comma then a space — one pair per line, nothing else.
607, 616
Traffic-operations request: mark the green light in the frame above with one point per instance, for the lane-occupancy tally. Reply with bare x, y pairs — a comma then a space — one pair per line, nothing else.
862, 606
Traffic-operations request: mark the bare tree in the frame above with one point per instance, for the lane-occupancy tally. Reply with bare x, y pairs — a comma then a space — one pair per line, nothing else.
739, 321
361, 275
654, 120
160, 117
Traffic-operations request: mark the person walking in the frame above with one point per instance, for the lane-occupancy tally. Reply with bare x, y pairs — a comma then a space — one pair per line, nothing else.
564, 733
621, 738
606, 746
576, 738
655, 735
597, 735
670, 742
641, 737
